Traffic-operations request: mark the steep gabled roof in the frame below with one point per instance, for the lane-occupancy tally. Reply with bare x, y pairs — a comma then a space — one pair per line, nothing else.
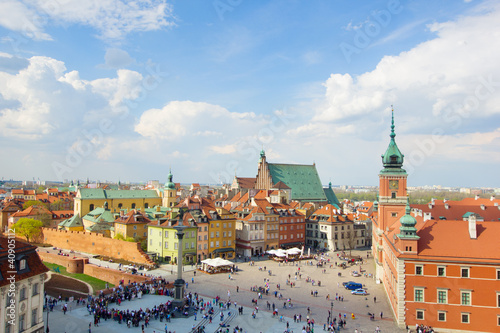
246, 182
302, 179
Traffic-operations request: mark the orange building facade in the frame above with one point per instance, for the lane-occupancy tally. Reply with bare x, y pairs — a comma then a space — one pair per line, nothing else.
439, 273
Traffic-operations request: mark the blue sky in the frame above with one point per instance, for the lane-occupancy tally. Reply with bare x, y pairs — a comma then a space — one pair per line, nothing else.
128, 89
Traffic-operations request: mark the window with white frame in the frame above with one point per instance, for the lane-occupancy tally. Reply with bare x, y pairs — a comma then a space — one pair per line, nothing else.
464, 272
441, 316
465, 316
166, 245
419, 294
441, 270
419, 270
420, 315
465, 297
442, 296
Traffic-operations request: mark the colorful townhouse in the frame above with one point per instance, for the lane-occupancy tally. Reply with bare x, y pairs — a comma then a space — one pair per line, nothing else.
162, 237
133, 224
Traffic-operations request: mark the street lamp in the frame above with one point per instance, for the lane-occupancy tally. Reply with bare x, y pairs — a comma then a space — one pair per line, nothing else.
331, 311
48, 310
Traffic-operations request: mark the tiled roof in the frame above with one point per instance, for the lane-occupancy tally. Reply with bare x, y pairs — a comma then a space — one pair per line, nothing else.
91, 193
302, 179
246, 183
450, 239
133, 217
100, 214
34, 264
455, 210
74, 221
32, 211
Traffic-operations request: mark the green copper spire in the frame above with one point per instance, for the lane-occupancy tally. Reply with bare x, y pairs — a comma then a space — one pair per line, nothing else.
408, 222
170, 184
393, 158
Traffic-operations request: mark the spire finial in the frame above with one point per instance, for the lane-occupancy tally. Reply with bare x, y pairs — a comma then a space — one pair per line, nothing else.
393, 134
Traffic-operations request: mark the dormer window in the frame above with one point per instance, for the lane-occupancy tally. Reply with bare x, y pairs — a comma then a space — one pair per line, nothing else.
22, 264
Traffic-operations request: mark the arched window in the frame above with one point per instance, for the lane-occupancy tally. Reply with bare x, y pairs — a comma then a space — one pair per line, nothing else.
120, 205
133, 205
91, 207
146, 205
170, 193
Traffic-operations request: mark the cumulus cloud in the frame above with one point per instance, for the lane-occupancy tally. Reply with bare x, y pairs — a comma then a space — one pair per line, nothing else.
179, 119
117, 58
43, 98
454, 75
113, 19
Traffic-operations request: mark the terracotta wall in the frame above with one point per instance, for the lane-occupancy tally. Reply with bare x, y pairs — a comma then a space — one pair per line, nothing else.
96, 244
81, 265
72, 265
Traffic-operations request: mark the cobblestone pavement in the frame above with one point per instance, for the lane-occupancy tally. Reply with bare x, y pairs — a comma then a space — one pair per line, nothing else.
210, 286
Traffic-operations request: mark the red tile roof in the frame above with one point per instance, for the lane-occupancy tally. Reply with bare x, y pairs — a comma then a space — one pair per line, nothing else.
22, 248
450, 239
246, 183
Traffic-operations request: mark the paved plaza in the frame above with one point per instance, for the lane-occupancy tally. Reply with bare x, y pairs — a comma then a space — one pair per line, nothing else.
248, 276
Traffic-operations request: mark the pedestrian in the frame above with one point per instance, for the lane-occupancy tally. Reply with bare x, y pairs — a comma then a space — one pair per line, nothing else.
90, 327
374, 299
381, 315
166, 329
237, 289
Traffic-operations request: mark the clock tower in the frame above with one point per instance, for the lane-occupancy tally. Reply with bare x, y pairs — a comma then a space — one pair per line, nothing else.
392, 194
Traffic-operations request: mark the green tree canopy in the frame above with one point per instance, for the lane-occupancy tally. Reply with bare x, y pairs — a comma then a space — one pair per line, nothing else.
28, 228
30, 203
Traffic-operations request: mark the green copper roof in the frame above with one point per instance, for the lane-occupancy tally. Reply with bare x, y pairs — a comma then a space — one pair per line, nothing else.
392, 159
99, 214
93, 193
74, 221
408, 222
330, 195
170, 184
302, 179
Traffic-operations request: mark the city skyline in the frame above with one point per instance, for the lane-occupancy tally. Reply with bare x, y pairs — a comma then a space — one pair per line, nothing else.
129, 90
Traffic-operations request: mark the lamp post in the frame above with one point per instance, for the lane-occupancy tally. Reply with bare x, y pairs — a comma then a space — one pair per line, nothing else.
48, 310
179, 283
331, 311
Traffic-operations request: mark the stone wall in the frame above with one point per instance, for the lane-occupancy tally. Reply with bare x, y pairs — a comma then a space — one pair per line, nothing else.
96, 244
112, 275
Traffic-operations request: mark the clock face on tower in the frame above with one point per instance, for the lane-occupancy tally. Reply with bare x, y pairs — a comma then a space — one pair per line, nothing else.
393, 184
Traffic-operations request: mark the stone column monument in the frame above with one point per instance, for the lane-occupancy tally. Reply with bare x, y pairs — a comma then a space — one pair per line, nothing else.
179, 283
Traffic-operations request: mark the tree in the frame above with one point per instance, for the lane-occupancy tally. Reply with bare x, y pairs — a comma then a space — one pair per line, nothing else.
30, 203
29, 228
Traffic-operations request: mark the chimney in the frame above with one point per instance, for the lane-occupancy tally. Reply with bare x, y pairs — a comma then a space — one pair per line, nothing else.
476, 197
483, 207
447, 206
492, 198
472, 227
158, 209
433, 201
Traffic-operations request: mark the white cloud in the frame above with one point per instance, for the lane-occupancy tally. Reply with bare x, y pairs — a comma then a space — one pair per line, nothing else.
179, 119
44, 98
454, 74
113, 19
117, 58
